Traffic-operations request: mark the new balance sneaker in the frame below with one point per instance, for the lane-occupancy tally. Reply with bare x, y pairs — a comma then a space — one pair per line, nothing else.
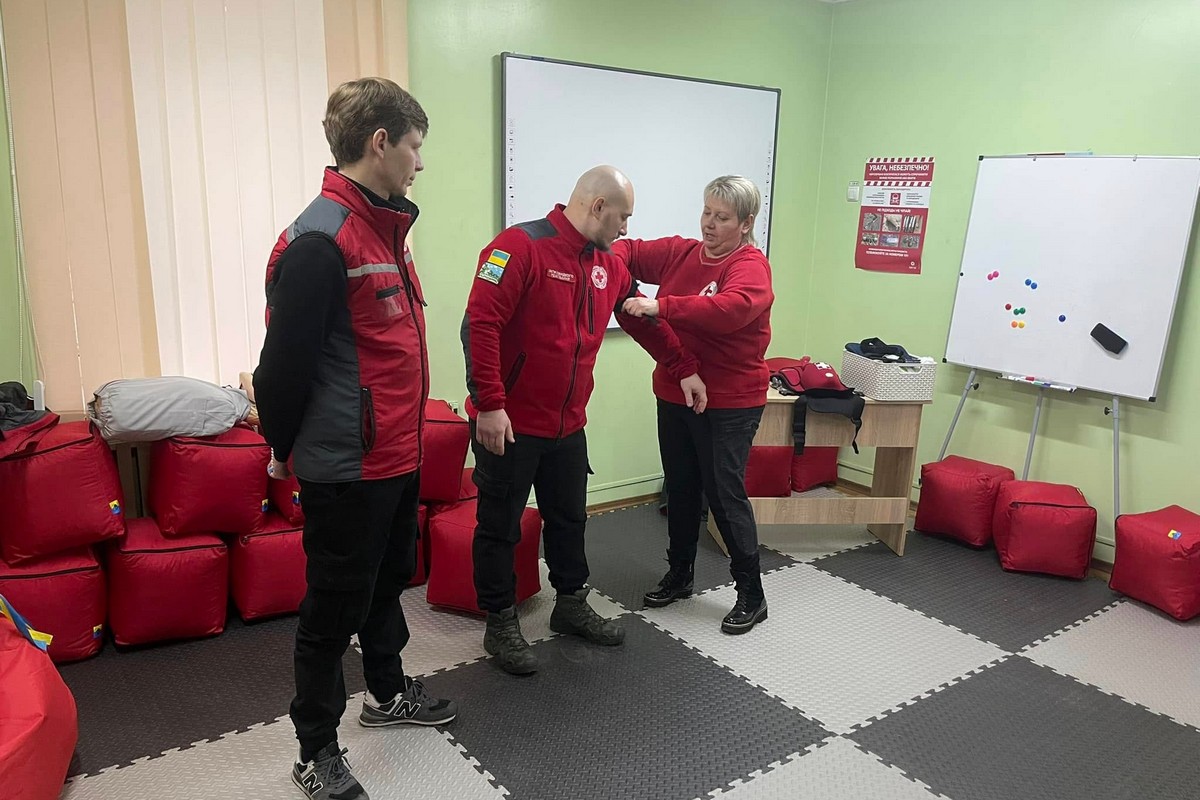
745, 614
504, 640
675, 585
573, 615
328, 776
414, 706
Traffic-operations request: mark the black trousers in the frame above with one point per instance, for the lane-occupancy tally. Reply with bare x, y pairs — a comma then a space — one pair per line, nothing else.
360, 539
557, 469
704, 456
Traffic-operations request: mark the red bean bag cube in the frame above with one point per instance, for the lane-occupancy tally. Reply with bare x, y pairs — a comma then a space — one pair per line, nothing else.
62, 595
38, 726
1044, 527
162, 589
59, 491
768, 472
267, 569
284, 497
1158, 560
958, 498
816, 466
451, 568
444, 446
214, 483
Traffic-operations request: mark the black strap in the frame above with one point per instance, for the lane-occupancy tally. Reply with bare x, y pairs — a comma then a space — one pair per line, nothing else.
850, 407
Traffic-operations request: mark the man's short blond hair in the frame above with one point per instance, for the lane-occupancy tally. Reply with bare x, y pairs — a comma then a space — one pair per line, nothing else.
357, 109
742, 194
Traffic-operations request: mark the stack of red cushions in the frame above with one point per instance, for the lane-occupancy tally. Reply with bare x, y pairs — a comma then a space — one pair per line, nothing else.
60, 494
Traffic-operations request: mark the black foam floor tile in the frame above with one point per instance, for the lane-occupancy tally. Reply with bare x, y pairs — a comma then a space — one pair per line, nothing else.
627, 554
142, 702
966, 588
650, 719
1019, 730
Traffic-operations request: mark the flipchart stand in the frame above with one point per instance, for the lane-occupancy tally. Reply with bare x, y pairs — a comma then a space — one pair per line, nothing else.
1114, 410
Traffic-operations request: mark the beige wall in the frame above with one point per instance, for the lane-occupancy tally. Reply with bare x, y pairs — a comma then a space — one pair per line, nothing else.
80, 191
80, 179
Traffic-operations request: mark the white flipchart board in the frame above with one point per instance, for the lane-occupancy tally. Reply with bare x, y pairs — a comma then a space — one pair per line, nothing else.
1059, 244
670, 135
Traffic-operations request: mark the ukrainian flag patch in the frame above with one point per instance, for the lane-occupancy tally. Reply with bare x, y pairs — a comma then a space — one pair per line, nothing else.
266, 504
492, 270
115, 507
97, 631
295, 498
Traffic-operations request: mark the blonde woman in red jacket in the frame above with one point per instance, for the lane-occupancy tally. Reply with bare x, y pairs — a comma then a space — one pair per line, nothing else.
715, 293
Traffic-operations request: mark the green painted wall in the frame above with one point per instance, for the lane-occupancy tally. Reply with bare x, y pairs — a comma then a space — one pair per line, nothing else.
954, 80
12, 366
455, 74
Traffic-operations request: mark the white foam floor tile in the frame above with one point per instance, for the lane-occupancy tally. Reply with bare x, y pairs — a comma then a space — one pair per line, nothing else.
441, 639
804, 656
810, 542
1135, 653
392, 764
835, 771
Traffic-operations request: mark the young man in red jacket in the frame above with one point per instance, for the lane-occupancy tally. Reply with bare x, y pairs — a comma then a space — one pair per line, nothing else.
341, 387
537, 312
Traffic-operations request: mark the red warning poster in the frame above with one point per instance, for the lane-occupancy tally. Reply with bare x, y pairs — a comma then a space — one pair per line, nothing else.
893, 219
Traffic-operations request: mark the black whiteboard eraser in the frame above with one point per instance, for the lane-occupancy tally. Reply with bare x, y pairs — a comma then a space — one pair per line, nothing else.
1108, 340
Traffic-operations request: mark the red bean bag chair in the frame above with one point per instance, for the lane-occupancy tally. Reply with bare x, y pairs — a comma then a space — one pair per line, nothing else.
1158, 560
958, 498
164, 589
444, 445
58, 491
284, 497
816, 466
451, 567
62, 595
768, 471
267, 569
38, 723
207, 484
1044, 527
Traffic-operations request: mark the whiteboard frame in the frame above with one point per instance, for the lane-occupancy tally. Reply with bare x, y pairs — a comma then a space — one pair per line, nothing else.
505, 56
1179, 281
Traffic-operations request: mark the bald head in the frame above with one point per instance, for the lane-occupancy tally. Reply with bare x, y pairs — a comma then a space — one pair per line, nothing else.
601, 204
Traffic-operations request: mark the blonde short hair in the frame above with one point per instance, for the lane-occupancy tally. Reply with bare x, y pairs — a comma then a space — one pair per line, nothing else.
742, 194
357, 109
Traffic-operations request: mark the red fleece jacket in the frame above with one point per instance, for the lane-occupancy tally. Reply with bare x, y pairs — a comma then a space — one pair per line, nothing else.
720, 309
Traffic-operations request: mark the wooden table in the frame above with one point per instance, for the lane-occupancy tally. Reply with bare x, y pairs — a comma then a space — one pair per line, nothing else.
891, 427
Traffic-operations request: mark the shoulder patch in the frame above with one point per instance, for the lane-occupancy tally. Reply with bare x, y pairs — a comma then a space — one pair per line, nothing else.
490, 272
538, 229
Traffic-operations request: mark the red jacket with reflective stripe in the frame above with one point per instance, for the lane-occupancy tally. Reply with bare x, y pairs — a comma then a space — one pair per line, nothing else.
365, 409
536, 315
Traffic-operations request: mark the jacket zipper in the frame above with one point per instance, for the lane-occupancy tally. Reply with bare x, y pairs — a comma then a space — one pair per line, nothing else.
591, 312
515, 372
562, 417
366, 421
409, 291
